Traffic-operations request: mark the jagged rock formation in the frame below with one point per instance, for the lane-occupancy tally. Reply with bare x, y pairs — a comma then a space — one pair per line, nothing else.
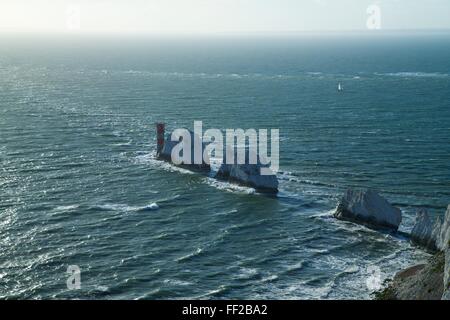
443, 238
433, 237
244, 174
422, 231
446, 295
369, 208
429, 281
168, 146
249, 175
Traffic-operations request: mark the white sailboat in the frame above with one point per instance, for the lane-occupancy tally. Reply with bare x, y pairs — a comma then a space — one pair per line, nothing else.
340, 87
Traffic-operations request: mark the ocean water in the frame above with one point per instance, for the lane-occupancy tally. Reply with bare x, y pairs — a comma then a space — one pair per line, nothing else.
78, 174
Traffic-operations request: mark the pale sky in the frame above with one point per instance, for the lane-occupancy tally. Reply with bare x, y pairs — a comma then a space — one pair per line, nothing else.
218, 16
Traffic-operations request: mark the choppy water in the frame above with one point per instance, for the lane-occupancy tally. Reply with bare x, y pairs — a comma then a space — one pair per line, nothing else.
78, 175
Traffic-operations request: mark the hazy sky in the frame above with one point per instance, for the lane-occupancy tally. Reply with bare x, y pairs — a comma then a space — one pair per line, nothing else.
204, 16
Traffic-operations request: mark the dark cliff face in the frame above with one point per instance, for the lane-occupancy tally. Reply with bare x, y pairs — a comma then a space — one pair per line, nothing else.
421, 282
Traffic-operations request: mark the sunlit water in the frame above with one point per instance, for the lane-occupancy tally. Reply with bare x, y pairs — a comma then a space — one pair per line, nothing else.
78, 173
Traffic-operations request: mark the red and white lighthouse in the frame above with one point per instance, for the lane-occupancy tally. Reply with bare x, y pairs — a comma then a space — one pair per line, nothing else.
160, 132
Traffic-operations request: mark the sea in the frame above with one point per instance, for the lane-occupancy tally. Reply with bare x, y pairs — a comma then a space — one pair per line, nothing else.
80, 188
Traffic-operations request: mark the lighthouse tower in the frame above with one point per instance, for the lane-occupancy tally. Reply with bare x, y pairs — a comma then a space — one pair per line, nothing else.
160, 132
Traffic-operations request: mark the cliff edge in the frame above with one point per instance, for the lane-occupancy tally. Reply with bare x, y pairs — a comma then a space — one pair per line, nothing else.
420, 282
429, 281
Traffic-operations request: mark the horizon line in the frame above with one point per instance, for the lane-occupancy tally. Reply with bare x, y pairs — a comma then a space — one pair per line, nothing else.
219, 33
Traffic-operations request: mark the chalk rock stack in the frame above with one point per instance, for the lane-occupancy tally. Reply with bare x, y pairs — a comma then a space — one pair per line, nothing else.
165, 153
426, 281
369, 208
443, 240
249, 175
435, 236
422, 232
446, 295
252, 174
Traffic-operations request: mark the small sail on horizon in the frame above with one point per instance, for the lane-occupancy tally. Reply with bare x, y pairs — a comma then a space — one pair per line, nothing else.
340, 87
